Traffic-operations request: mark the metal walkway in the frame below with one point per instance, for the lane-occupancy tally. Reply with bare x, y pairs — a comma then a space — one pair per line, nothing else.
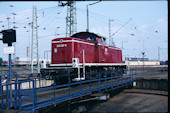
35, 98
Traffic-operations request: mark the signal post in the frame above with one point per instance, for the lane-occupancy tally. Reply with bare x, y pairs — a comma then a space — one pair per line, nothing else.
9, 36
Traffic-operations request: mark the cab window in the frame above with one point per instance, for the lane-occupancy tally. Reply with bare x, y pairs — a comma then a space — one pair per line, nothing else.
103, 41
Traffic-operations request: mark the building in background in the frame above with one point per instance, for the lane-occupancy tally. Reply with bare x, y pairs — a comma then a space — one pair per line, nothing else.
26, 62
137, 61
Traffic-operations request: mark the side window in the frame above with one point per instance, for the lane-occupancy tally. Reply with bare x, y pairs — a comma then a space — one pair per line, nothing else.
89, 38
79, 36
103, 41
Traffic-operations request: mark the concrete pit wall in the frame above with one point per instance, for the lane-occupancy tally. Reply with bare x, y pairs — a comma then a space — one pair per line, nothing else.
39, 83
153, 84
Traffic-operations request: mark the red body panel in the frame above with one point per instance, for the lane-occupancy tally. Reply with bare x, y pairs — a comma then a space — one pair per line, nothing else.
62, 52
68, 48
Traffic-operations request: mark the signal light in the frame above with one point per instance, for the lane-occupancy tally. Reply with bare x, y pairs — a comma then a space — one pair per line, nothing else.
9, 36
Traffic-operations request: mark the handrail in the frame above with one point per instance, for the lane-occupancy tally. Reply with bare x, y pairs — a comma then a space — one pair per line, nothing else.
85, 88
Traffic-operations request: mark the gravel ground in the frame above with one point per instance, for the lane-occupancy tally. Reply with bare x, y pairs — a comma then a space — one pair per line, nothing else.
128, 100
135, 100
15, 70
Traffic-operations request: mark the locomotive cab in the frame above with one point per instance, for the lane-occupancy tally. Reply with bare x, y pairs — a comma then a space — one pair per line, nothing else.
85, 35
90, 37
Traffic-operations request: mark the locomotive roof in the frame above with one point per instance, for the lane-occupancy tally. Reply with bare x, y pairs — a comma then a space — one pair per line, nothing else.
87, 33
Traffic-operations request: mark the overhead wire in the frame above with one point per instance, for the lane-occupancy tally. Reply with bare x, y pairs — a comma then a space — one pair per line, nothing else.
28, 15
53, 19
100, 17
96, 15
49, 17
83, 11
134, 27
44, 36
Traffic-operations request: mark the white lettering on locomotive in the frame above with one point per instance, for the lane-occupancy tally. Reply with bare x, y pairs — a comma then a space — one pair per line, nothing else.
61, 45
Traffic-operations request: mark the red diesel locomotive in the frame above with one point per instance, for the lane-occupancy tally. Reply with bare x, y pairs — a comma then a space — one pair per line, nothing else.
81, 53
95, 49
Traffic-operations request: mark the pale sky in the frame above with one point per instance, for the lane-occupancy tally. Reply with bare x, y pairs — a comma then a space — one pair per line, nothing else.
147, 30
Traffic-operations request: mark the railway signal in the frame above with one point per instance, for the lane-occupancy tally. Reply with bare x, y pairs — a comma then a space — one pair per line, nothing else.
9, 36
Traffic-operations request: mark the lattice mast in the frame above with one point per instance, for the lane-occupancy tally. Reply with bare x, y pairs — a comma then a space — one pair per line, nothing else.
71, 22
34, 44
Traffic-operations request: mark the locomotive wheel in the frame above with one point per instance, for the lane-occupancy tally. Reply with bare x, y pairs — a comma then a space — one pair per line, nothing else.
43, 73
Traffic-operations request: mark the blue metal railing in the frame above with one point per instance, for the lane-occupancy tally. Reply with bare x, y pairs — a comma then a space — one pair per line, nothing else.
30, 99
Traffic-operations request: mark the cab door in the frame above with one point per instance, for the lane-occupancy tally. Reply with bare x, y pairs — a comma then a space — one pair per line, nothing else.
96, 51
102, 53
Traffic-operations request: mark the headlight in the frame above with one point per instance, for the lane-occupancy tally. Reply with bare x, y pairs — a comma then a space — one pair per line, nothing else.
55, 50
